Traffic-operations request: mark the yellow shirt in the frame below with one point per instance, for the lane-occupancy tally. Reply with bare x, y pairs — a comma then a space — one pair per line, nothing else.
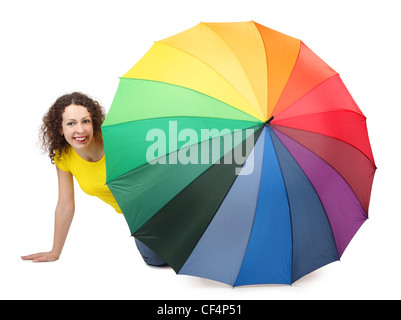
91, 176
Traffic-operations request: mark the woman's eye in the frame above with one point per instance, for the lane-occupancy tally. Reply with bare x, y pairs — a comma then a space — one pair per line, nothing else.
70, 123
86, 121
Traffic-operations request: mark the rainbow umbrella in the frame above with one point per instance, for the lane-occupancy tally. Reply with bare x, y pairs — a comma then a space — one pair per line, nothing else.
238, 155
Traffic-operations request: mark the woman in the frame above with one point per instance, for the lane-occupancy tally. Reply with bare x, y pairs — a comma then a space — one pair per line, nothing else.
71, 134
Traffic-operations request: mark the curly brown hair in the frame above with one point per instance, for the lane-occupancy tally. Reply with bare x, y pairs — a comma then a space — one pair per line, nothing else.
50, 135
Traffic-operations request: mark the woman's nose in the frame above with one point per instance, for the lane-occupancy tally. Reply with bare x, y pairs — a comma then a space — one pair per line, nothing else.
79, 128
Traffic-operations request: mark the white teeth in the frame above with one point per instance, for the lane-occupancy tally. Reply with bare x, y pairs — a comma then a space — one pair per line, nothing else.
80, 139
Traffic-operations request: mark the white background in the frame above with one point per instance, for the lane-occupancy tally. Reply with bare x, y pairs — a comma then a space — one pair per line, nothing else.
48, 48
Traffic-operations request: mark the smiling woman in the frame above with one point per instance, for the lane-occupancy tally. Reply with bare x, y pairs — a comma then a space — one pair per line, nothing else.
78, 132
72, 137
61, 118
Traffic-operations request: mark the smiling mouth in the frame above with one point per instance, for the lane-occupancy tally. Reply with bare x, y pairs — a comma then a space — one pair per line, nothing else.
80, 139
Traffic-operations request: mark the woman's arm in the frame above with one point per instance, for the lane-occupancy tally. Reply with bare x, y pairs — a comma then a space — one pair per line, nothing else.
63, 218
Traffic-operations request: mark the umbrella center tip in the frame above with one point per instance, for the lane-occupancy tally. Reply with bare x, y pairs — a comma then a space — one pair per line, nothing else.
267, 123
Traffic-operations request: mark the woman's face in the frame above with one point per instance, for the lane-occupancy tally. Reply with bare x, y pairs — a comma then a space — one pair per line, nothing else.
77, 126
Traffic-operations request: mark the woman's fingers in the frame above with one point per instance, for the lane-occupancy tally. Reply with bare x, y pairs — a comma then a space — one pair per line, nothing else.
32, 256
40, 257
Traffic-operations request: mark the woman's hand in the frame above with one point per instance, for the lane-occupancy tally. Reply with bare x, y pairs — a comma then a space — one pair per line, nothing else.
63, 218
42, 257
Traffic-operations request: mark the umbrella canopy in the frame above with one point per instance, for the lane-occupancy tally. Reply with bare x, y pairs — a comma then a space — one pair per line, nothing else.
238, 155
